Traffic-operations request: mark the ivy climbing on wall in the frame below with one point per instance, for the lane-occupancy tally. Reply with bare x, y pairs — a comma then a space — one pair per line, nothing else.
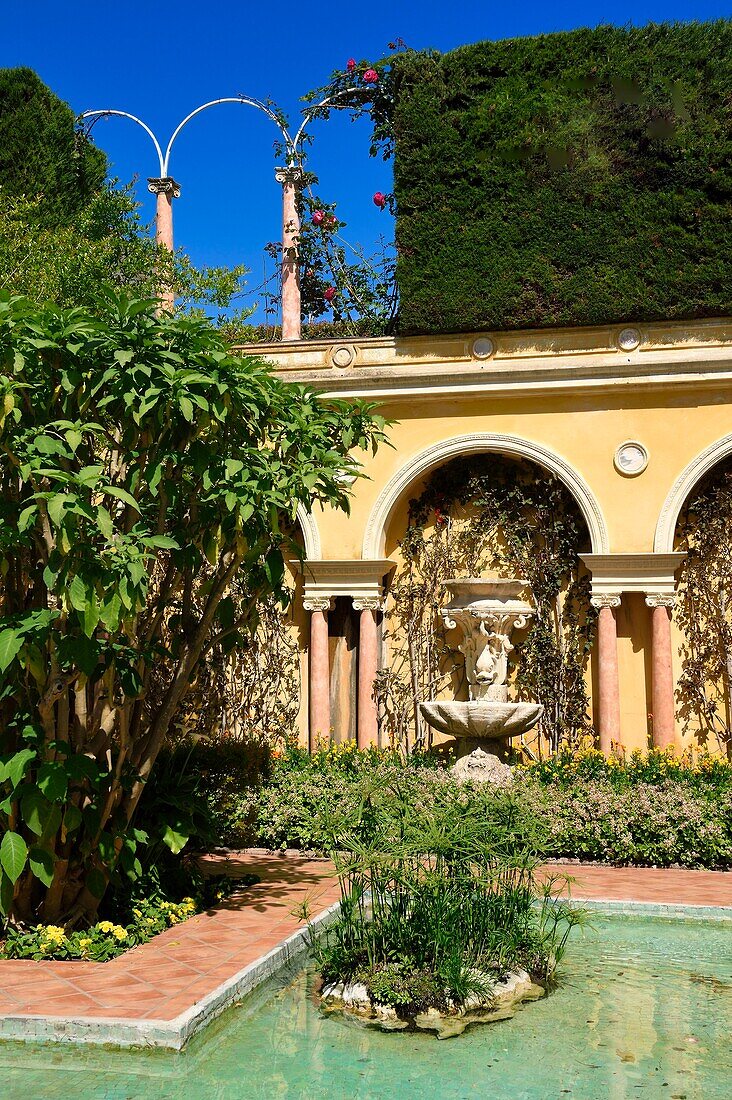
489, 515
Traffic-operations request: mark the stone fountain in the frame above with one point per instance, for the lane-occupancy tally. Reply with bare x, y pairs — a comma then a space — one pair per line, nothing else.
486, 612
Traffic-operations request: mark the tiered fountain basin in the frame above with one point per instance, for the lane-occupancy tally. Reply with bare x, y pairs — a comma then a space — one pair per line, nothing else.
486, 612
481, 719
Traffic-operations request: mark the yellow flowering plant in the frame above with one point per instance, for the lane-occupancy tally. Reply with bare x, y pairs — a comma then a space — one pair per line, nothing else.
102, 941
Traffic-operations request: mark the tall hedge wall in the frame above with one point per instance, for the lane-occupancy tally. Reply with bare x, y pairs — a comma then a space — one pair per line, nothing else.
568, 179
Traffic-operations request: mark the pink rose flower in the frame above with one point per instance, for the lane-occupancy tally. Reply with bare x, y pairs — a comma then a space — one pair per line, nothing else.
318, 217
371, 76
351, 64
379, 200
330, 293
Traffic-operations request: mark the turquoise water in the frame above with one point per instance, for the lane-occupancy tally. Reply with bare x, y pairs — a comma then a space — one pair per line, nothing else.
644, 1010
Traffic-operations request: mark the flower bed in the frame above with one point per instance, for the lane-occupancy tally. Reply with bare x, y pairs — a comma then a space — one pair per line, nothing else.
103, 940
653, 809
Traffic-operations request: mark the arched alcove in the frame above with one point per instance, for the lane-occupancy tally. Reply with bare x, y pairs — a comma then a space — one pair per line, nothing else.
413, 471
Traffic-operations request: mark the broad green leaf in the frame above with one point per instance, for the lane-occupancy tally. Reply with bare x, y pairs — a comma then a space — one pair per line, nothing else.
91, 616
34, 809
53, 824
174, 839
162, 542
78, 594
41, 864
72, 818
186, 407
73, 438
6, 894
56, 506
18, 763
27, 517
104, 520
52, 781
11, 642
120, 494
13, 855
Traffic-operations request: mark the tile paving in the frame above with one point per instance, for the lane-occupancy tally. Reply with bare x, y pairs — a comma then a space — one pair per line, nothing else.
169, 975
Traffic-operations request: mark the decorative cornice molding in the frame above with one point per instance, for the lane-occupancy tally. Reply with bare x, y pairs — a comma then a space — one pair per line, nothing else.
678, 354
480, 443
682, 487
355, 578
163, 185
644, 573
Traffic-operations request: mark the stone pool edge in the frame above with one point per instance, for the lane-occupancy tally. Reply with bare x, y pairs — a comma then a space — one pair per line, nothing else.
618, 907
165, 1034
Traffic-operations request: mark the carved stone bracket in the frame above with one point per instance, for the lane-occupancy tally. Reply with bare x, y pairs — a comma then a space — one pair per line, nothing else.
163, 185
486, 644
605, 600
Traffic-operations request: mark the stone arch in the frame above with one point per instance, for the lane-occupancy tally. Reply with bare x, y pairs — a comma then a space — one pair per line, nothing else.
480, 443
310, 534
690, 476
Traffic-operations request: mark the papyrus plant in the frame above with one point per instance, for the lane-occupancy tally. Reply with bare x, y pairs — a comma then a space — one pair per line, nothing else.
144, 468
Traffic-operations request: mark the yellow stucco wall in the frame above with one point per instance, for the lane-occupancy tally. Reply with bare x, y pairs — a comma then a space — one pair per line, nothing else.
578, 394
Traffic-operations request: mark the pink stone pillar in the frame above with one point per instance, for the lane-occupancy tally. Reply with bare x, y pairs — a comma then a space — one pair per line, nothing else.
662, 677
165, 190
319, 686
368, 667
608, 684
290, 178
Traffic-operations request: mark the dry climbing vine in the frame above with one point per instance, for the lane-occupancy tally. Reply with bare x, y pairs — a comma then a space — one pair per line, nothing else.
490, 514
704, 613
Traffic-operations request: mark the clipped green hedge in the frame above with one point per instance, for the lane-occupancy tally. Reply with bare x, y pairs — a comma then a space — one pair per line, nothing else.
568, 179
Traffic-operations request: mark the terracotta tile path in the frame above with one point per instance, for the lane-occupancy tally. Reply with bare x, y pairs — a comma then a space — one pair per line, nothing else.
162, 979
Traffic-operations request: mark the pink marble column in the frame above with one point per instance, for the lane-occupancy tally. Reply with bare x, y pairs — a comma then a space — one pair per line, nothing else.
290, 178
662, 676
608, 684
319, 665
165, 190
368, 667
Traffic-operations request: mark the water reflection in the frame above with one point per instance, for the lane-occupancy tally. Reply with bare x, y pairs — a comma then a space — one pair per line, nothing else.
644, 1009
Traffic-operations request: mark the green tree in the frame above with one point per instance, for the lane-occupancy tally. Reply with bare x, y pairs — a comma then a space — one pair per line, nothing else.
65, 229
41, 152
144, 469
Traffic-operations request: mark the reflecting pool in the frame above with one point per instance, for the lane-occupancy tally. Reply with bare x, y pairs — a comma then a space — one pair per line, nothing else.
644, 1009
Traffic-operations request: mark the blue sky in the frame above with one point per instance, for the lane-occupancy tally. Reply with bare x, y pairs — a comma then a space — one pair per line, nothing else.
160, 60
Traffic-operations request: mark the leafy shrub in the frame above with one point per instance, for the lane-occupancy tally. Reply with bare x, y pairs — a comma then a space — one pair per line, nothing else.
648, 810
646, 824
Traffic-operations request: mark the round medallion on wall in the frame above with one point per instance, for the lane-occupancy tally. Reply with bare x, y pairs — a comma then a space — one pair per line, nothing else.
629, 339
343, 356
631, 458
483, 347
